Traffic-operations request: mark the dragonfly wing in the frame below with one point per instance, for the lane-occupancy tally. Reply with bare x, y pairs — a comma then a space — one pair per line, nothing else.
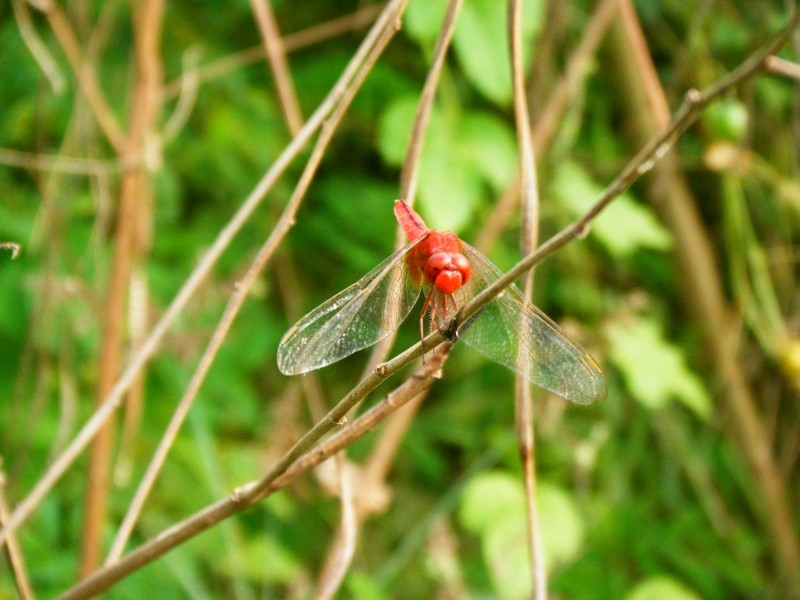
355, 318
516, 334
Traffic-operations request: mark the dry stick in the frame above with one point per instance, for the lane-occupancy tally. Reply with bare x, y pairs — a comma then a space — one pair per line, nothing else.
140, 358
707, 296
87, 81
549, 116
15, 556
38, 49
252, 492
343, 547
293, 41
12, 246
276, 56
529, 206
134, 217
59, 164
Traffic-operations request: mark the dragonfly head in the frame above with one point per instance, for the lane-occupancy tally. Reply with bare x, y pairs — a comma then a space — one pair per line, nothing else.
447, 271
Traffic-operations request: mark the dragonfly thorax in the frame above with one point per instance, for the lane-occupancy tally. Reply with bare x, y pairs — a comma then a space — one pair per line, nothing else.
447, 271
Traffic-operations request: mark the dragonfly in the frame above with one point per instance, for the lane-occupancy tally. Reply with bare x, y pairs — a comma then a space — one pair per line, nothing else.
509, 330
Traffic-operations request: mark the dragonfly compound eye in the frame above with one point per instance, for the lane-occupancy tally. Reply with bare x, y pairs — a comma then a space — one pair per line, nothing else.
447, 271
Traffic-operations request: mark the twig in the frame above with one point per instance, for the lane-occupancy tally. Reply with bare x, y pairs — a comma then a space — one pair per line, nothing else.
61, 164
291, 42
529, 205
276, 56
548, 117
250, 493
15, 556
83, 72
38, 49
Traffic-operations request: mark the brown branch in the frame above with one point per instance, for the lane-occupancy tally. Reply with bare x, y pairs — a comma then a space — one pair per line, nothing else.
84, 73
276, 56
131, 243
523, 400
548, 118
291, 42
15, 557
246, 495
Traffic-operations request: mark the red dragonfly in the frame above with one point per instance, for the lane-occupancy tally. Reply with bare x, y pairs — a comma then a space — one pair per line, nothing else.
510, 330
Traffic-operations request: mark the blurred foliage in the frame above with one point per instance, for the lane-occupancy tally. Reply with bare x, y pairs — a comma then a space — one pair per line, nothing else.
642, 496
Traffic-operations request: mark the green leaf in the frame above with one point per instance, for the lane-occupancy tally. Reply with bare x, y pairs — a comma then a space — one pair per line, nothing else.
463, 156
493, 507
489, 497
481, 44
423, 19
661, 587
623, 227
654, 369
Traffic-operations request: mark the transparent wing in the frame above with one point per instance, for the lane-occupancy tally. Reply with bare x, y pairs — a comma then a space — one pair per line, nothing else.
355, 318
516, 334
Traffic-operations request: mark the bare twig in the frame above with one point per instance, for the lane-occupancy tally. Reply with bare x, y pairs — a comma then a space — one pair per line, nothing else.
250, 493
62, 164
15, 556
548, 117
530, 235
84, 73
276, 56
38, 49
291, 42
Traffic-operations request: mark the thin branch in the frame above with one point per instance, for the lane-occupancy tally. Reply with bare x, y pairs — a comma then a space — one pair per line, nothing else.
83, 72
550, 114
781, 66
343, 548
15, 557
529, 205
408, 177
62, 164
276, 56
37, 48
248, 494
291, 42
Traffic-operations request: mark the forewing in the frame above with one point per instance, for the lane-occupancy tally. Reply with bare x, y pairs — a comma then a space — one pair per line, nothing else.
355, 318
516, 334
